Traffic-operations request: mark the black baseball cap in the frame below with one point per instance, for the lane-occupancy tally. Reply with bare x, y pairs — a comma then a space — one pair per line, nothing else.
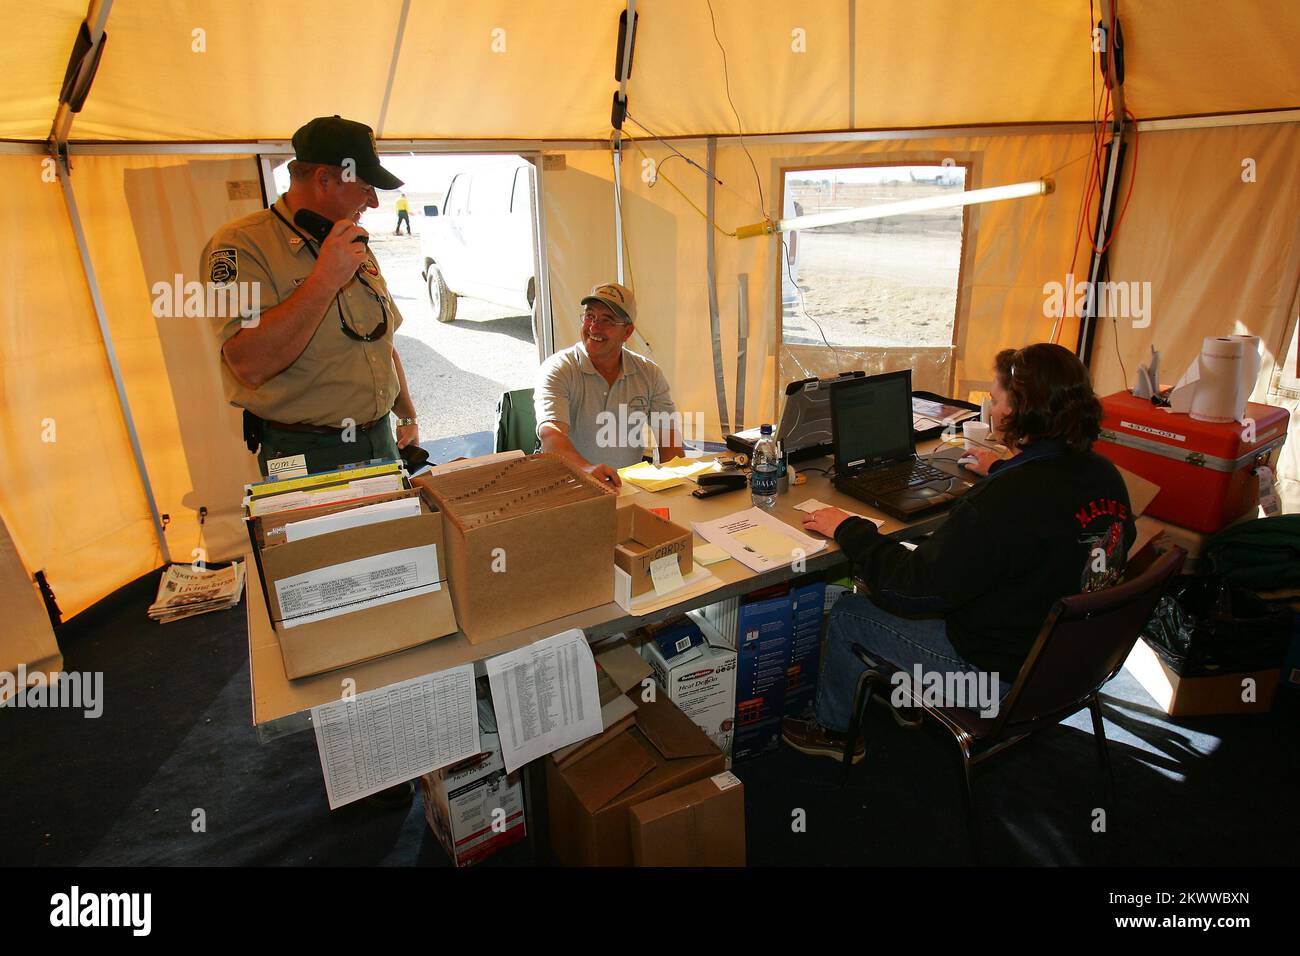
330, 140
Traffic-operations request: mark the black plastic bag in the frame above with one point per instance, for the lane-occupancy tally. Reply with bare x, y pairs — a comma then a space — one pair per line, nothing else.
1206, 625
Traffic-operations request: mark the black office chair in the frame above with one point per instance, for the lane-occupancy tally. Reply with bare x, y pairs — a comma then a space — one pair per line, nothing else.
1082, 645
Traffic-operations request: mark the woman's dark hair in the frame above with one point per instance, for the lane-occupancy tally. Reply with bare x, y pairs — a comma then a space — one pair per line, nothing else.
1050, 397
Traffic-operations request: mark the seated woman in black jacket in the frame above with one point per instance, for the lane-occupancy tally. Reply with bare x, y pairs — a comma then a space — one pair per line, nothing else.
963, 609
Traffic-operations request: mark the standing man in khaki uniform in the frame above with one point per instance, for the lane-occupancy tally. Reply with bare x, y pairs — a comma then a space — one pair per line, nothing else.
315, 371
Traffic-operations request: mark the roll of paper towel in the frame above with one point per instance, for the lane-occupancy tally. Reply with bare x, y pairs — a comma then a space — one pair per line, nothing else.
1219, 380
1251, 360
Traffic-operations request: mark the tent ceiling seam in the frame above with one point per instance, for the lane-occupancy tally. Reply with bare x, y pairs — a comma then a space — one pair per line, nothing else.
392, 67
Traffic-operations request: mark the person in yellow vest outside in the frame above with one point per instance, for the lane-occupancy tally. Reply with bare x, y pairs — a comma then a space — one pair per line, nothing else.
403, 214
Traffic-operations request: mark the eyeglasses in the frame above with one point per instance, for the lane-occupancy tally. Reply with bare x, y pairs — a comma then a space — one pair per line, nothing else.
597, 321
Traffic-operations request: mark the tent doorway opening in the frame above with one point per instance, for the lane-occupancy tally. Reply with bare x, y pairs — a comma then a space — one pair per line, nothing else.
464, 272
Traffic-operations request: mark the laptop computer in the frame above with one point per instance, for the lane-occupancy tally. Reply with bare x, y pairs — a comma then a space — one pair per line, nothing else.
805, 428
875, 449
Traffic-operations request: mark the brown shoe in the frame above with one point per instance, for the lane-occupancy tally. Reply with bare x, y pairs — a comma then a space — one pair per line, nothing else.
810, 737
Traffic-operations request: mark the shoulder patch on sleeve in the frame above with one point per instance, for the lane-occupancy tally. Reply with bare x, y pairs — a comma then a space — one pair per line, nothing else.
223, 266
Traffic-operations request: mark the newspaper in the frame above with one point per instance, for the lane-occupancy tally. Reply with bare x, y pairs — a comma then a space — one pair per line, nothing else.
185, 591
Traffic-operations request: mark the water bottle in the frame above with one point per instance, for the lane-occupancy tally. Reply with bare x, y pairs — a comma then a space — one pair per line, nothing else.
763, 470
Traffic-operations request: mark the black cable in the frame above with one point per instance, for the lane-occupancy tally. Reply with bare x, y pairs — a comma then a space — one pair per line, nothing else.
803, 308
740, 129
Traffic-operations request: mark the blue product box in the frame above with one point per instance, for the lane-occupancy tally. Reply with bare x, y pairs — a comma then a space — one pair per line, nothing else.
678, 639
805, 647
765, 635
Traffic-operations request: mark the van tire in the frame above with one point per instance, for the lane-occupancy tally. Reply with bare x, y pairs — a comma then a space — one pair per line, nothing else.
441, 299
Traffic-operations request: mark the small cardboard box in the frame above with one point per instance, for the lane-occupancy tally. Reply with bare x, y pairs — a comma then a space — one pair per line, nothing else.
360, 635
590, 798
473, 807
645, 537
700, 824
528, 541
619, 674
1180, 696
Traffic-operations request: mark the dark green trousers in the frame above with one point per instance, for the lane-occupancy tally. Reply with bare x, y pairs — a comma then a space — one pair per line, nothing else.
328, 452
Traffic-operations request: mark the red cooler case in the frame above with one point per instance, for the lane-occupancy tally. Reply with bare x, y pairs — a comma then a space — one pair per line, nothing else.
1206, 471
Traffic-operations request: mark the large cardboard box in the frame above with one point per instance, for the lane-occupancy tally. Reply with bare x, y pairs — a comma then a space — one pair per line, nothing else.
700, 824
528, 540
590, 799
1180, 696
700, 680
645, 537
353, 635
473, 807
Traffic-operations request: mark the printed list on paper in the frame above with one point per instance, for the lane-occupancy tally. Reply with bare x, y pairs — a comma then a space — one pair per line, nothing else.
384, 737
545, 697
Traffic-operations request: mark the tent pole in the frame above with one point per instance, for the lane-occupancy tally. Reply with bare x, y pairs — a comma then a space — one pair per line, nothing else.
618, 205
617, 141
70, 200
77, 91
79, 87
711, 265
1110, 186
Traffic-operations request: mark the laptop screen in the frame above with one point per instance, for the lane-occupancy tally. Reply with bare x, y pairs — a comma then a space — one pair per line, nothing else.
872, 420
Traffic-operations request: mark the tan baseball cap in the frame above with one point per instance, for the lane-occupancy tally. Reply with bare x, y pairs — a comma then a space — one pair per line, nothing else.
617, 297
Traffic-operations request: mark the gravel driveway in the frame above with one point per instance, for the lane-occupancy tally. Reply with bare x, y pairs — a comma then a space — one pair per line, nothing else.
457, 370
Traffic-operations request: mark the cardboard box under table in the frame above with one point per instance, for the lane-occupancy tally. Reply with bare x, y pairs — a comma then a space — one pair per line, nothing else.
329, 572
528, 540
644, 538
590, 798
700, 824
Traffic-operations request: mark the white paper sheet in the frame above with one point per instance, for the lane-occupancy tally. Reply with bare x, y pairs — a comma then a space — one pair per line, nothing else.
758, 540
383, 737
356, 585
812, 504
545, 697
352, 518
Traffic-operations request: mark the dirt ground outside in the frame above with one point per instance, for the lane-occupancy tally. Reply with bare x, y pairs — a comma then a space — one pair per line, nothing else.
886, 282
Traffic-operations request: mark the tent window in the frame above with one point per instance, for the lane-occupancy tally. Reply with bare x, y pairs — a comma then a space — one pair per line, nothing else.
881, 283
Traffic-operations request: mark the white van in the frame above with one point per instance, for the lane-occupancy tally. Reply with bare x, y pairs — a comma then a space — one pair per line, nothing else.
480, 243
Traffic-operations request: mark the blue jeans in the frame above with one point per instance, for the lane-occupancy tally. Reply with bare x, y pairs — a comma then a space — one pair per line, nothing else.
903, 642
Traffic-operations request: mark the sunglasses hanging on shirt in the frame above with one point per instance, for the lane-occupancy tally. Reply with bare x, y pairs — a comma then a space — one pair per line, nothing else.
320, 227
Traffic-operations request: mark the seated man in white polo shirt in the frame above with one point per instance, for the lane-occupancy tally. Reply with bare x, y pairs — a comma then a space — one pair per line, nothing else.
594, 400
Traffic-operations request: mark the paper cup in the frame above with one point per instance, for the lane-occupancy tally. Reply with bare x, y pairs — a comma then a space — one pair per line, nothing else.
974, 435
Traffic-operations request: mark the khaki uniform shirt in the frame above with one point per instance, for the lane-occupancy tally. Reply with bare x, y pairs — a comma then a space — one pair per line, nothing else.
606, 422
336, 377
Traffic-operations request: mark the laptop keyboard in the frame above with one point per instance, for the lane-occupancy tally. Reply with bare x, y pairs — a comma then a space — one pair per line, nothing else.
897, 477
